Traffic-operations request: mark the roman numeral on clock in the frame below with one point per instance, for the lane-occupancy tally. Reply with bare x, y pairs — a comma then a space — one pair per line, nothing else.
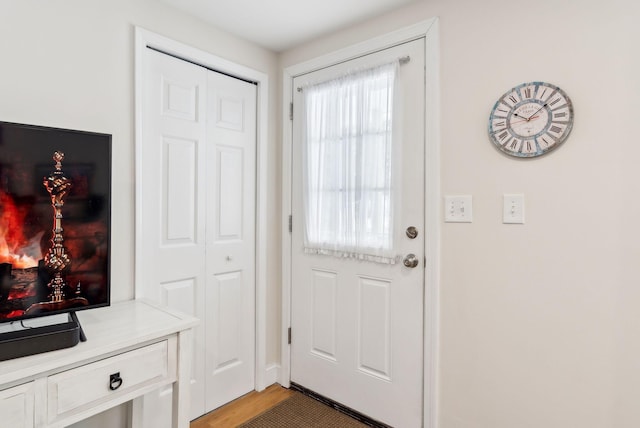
542, 94
546, 142
513, 145
555, 129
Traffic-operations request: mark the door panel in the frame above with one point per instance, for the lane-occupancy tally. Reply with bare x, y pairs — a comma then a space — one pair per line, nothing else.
230, 164
323, 313
173, 222
229, 303
374, 327
230, 295
180, 213
357, 326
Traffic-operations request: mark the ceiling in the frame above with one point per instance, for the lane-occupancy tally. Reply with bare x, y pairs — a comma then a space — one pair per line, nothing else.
279, 25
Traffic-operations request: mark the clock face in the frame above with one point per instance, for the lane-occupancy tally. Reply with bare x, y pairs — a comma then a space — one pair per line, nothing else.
531, 119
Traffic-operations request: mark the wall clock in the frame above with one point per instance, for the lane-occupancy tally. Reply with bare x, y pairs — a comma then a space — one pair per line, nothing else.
531, 119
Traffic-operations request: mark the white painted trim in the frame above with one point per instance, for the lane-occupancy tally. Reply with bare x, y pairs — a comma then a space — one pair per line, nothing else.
432, 212
272, 375
287, 130
144, 38
429, 30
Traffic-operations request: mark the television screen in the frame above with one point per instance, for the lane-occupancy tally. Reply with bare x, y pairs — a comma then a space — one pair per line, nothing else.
55, 207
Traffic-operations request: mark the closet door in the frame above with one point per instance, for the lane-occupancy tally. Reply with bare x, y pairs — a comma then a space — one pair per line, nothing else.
230, 264
195, 217
170, 213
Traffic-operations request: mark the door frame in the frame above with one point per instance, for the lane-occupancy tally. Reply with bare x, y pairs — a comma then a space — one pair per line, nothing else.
429, 30
145, 39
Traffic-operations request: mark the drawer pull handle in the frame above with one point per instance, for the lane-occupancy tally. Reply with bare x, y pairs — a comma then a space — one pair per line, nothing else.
115, 381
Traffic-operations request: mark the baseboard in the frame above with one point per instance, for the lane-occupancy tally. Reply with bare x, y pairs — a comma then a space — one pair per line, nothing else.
272, 374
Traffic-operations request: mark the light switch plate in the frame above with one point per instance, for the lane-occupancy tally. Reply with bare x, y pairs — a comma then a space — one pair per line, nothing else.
513, 209
458, 209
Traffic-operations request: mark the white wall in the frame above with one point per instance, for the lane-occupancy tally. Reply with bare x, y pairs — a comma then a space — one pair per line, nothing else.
70, 64
540, 323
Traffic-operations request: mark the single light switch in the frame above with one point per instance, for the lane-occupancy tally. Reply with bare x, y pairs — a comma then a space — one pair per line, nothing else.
458, 209
513, 209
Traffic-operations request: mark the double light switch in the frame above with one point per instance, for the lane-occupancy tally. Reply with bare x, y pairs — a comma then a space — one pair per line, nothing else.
459, 209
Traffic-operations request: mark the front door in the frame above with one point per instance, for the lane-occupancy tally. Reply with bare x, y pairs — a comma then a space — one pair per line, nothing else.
357, 318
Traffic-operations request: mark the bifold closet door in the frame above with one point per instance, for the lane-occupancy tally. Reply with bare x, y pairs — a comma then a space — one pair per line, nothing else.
195, 215
230, 215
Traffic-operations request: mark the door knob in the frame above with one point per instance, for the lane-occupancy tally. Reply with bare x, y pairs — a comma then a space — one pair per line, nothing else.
410, 260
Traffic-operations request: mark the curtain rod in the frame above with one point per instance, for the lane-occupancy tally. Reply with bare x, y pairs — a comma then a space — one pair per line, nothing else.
402, 61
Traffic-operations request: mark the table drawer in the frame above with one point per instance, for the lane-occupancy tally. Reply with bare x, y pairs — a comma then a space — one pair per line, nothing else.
108, 379
16, 406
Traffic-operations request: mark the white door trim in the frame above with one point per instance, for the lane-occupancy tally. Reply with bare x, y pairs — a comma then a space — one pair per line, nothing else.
428, 30
144, 39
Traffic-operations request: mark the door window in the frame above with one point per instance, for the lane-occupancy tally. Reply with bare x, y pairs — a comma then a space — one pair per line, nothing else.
348, 159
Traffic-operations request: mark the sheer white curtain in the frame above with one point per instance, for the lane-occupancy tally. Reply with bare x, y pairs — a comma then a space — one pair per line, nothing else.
348, 160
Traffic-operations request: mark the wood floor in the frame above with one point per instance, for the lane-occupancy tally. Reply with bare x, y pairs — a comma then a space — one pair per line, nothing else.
244, 408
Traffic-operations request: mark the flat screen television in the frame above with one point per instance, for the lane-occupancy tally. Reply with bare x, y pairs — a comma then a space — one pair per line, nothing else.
55, 209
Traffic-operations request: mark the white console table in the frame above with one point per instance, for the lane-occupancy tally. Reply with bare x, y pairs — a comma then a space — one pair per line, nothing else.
146, 346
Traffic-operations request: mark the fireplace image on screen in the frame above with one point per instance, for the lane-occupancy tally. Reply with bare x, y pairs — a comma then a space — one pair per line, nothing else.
54, 220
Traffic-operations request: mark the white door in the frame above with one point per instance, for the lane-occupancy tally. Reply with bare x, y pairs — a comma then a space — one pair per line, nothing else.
357, 325
196, 218
230, 285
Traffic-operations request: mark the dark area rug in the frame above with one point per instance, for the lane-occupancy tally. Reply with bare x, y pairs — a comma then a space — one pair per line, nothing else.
301, 411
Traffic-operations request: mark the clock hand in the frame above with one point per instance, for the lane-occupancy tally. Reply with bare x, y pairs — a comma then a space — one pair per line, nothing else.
516, 121
530, 117
525, 120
